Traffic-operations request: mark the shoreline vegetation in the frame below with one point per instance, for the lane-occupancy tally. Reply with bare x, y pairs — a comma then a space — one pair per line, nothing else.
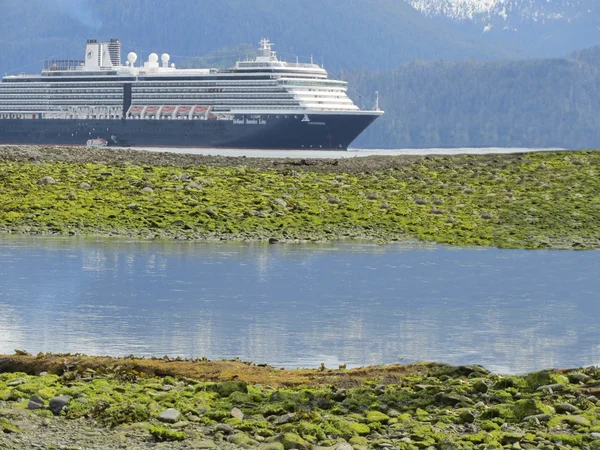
535, 200
54, 401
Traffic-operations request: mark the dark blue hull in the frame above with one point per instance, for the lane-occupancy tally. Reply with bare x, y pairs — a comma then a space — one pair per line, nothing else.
321, 131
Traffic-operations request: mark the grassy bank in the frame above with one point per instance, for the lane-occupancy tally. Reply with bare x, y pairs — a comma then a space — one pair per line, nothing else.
231, 404
539, 200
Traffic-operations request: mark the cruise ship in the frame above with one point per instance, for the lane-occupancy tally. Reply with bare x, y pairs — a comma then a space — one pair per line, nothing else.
261, 103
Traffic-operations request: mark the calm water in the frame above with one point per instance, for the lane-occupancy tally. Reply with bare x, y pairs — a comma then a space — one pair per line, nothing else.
300, 305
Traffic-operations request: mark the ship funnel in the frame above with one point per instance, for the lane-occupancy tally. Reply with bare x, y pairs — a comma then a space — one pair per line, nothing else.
114, 50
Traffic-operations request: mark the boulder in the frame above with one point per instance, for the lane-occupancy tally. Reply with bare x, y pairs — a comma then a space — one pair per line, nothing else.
566, 408
224, 428
57, 404
237, 413
286, 418
205, 444
171, 415
46, 181
35, 402
291, 440
376, 416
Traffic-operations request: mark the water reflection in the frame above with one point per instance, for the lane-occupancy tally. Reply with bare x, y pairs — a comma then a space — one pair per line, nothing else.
300, 305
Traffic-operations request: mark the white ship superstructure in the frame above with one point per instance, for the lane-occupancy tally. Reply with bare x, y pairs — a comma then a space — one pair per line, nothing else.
100, 87
95, 87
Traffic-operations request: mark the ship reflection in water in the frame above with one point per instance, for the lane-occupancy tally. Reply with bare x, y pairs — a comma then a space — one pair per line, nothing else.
300, 305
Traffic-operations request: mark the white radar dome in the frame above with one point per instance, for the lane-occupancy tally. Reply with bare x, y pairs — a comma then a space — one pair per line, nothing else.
165, 58
131, 57
153, 57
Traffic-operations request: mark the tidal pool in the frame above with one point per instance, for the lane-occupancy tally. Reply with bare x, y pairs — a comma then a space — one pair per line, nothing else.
300, 305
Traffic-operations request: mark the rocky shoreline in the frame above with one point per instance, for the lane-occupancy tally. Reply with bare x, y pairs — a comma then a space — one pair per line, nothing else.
537, 200
82, 402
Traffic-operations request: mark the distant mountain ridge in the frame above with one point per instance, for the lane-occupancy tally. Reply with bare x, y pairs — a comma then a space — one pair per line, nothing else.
507, 11
536, 28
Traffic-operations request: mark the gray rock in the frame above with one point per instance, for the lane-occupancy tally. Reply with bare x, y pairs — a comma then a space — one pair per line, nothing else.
286, 418
237, 413
57, 404
15, 383
147, 190
171, 415
538, 417
551, 387
578, 378
595, 435
193, 185
205, 444
566, 408
167, 387
343, 446
280, 202
578, 421
224, 428
180, 424
133, 206
35, 402
85, 186
82, 400
47, 180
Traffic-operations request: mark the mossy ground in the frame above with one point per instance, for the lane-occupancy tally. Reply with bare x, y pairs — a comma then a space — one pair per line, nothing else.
407, 407
537, 200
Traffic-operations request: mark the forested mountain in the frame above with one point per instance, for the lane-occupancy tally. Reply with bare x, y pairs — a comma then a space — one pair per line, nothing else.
535, 103
536, 27
343, 34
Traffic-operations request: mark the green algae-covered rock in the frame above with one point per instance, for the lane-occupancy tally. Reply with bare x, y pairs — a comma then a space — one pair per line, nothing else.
530, 407
378, 417
272, 446
7, 426
205, 444
359, 428
47, 393
241, 439
292, 440
227, 388
577, 421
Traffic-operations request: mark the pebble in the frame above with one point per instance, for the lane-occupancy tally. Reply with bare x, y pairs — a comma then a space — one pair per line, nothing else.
595, 435
85, 186
171, 415
15, 383
147, 190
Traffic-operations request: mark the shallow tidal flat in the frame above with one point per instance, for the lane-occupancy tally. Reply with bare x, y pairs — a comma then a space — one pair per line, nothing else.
86, 402
537, 200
